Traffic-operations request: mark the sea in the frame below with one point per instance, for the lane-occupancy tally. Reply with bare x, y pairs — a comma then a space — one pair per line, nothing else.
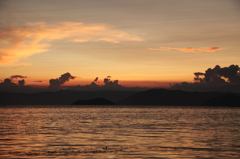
149, 132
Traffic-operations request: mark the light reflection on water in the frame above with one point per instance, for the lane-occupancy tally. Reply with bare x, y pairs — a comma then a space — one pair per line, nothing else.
110, 132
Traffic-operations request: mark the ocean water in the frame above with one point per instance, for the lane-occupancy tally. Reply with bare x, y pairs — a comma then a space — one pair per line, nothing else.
119, 132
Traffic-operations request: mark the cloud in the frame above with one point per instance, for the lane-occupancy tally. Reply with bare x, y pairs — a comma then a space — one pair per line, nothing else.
189, 49
19, 42
17, 76
214, 79
96, 79
23, 64
56, 83
21, 82
215, 75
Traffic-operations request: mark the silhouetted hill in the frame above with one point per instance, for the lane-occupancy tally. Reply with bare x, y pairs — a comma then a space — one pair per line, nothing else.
95, 101
225, 100
169, 97
149, 97
64, 97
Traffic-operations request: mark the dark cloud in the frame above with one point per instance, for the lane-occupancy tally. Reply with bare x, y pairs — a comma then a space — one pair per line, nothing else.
17, 76
211, 75
116, 82
231, 72
197, 77
96, 79
9, 86
21, 82
214, 79
109, 84
218, 75
94, 83
197, 74
106, 80
8, 81
56, 83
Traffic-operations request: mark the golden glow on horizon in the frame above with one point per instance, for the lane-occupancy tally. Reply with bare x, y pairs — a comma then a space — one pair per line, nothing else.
139, 43
125, 83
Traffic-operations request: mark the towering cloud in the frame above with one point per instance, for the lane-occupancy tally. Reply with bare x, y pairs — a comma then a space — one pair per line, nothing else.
109, 84
215, 75
21, 82
107, 80
9, 81
231, 72
226, 79
115, 82
56, 83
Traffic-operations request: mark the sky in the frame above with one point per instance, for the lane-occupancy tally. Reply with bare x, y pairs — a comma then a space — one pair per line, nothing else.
148, 43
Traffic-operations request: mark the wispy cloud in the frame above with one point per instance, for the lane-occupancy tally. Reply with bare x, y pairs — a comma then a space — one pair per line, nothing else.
17, 76
189, 49
19, 42
22, 64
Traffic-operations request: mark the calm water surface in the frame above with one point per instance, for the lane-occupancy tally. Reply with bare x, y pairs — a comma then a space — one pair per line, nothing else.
113, 132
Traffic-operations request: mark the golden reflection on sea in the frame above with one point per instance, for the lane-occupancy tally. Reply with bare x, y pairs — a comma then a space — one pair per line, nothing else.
109, 132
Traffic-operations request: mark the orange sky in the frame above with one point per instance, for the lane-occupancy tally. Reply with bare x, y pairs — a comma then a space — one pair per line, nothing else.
141, 43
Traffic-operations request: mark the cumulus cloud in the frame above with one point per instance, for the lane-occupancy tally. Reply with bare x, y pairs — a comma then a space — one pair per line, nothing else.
17, 42
214, 79
110, 84
56, 83
21, 82
189, 49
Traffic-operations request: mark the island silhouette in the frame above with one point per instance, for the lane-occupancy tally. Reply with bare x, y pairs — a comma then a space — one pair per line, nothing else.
211, 88
157, 97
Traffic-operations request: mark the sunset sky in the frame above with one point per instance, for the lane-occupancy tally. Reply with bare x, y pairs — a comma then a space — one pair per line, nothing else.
139, 42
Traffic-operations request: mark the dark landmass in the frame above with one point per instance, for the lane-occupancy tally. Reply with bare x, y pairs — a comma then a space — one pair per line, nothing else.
64, 97
95, 101
157, 97
179, 98
225, 100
